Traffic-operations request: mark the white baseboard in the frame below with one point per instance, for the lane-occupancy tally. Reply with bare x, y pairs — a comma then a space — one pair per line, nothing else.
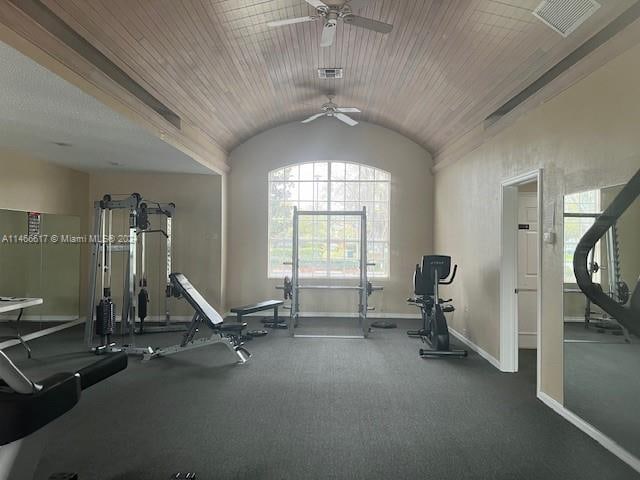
484, 354
597, 435
572, 319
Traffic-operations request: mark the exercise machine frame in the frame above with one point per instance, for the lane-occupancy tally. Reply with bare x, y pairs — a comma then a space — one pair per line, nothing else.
363, 288
138, 211
627, 316
434, 331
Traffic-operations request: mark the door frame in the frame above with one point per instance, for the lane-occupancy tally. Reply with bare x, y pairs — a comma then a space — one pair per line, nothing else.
509, 270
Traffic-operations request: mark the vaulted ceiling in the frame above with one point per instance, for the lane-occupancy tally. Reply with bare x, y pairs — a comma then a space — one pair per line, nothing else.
446, 65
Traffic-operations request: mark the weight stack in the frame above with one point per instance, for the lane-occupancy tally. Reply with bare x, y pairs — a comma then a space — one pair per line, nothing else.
105, 317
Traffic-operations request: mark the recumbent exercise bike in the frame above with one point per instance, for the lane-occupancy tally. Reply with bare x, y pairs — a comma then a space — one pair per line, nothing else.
435, 271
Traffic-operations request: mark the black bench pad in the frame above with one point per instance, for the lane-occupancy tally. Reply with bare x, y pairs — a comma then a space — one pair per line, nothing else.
258, 307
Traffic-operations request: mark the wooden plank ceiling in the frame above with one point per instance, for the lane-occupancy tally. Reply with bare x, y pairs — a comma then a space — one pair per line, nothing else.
446, 65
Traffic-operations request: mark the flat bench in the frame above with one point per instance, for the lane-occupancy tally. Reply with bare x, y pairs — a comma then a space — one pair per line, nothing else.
259, 307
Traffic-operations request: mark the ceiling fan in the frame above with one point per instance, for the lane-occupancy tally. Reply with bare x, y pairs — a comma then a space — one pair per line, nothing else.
330, 109
330, 14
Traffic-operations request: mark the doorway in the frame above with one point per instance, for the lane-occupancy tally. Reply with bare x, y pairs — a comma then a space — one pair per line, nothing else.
520, 282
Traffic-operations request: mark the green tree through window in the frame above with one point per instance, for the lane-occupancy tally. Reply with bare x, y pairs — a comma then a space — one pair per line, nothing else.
328, 246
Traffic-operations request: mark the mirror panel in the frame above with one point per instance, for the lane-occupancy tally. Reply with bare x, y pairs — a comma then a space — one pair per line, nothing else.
602, 359
37, 266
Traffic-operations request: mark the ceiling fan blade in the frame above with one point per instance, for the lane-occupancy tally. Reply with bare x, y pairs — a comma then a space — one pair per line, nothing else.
328, 34
368, 23
348, 110
290, 21
346, 119
317, 4
313, 117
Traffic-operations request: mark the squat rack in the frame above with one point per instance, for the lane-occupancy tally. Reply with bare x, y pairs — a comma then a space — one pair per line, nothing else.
363, 288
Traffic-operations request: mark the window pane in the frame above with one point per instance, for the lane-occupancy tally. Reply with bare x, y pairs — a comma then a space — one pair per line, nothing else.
281, 229
320, 229
381, 192
291, 191
382, 175
291, 173
337, 191
320, 170
337, 171
320, 251
367, 173
336, 252
321, 192
352, 191
306, 191
366, 191
278, 190
337, 228
305, 227
352, 171
380, 210
306, 171
352, 228
353, 206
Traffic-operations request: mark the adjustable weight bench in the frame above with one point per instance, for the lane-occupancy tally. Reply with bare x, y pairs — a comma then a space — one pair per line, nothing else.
259, 307
229, 335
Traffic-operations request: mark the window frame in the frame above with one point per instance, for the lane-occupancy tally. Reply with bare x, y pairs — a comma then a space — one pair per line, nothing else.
386, 242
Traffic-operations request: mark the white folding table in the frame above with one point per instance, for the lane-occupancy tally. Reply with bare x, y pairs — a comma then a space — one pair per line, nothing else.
11, 304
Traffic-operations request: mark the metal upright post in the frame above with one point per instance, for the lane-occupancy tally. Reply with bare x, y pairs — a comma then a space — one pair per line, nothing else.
168, 272
133, 240
96, 245
364, 279
293, 322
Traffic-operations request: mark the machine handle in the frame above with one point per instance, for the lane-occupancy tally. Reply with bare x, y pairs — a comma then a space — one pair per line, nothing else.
102, 369
453, 275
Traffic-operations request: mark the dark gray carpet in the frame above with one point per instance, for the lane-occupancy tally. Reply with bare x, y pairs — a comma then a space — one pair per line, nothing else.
314, 408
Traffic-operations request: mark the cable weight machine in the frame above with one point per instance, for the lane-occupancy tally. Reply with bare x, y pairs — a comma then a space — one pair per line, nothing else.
101, 317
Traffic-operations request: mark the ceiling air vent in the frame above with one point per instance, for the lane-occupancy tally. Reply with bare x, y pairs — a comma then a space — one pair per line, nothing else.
564, 16
330, 72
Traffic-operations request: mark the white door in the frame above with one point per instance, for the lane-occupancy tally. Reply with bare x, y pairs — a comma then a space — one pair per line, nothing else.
527, 269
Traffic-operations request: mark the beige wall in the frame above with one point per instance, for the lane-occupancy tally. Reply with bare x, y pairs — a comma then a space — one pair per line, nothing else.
28, 184
197, 234
327, 139
584, 138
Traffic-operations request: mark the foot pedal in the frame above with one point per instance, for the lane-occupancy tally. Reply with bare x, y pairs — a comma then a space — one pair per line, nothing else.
64, 476
184, 476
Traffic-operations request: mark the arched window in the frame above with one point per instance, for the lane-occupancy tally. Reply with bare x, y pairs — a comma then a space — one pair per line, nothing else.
329, 246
